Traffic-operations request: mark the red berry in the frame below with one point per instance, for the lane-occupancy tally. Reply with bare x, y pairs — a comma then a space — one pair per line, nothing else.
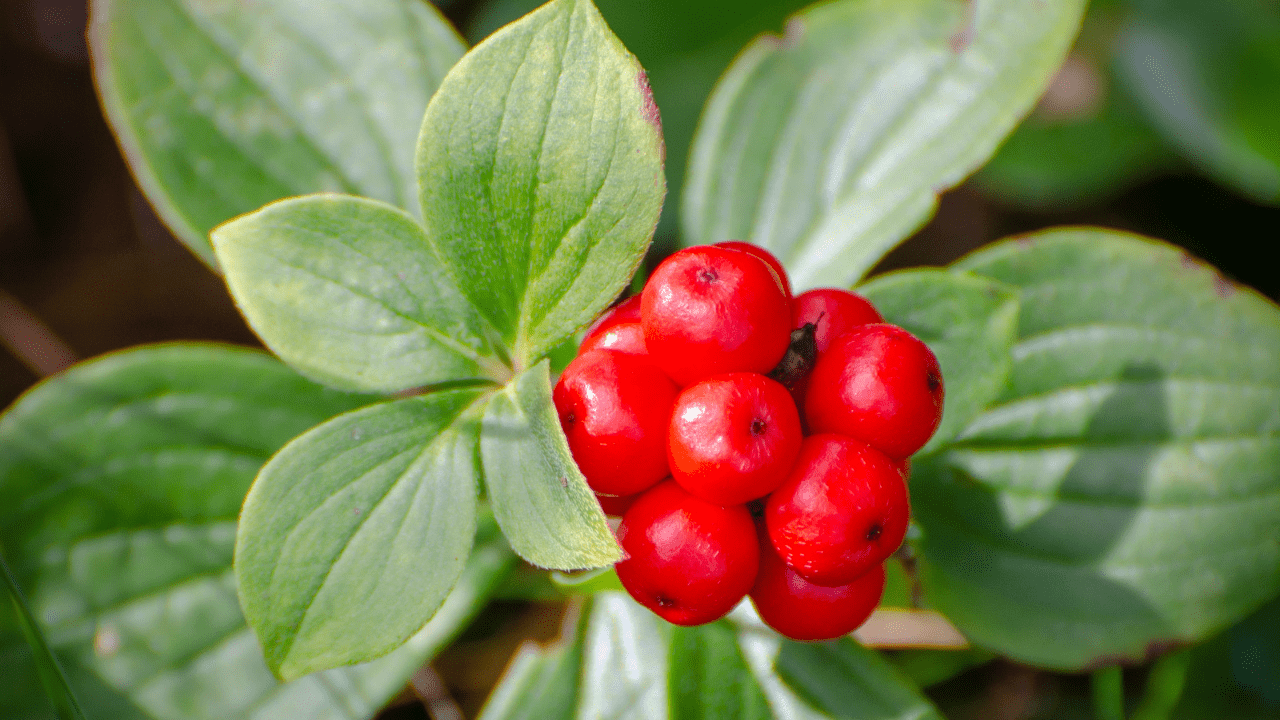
688, 560
616, 505
712, 310
833, 311
733, 437
615, 409
621, 337
904, 468
627, 311
770, 259
878, 384
842, 510
801, 610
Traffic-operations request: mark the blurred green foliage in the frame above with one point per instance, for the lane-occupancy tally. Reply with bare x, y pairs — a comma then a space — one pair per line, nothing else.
1153, 86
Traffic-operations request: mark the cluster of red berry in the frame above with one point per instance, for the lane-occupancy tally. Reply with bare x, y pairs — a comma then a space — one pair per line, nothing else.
752, 441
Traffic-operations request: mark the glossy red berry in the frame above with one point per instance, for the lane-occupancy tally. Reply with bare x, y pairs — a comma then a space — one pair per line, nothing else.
879, 384
627, 311
688, 560
733, 437
712, 310
620, 337
842, 510
616, 505
833, 312
615, 409
801, 610
770, 259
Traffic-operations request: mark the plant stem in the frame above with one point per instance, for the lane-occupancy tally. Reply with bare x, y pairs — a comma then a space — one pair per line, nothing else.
1108, 693
1164, 686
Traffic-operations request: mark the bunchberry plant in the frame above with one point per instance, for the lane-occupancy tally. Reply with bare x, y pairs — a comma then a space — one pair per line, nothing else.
422, 235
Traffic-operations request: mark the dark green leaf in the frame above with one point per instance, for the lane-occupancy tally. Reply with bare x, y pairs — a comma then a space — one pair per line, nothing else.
926, 667
52, 679
540, 172
353, 534
846, 680
539, 496
1123, 494
829, 145
347, 291
709, 678
1059, 163
222, 107
1207, 75
120, 483
969, 322
1235, 674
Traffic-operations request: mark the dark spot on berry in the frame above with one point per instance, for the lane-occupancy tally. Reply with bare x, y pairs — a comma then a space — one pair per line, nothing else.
708, 275
933, 380
570, 418
663, 601
873, 532
757, 427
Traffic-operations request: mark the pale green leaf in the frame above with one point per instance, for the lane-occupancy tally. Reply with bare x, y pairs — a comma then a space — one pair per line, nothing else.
829, 145
625, 669
1123, 493
120, 484
540, 172
610, 666
353, 534
969, 323
539, 497
684, 46
539, 684
347, 291
223, 106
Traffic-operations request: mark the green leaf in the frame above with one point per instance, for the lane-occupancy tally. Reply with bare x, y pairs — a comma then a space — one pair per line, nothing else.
120, 484
847, 680
1206, 73
353, 534
1123, 493
927, 667
683, 45
1061, 163
143, 438
540, 684
709, 678
539, 496
612, 665
53, 680
222, 107
830, 144
540, 172
1235, 674
347, 291
624, 672
969, 322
